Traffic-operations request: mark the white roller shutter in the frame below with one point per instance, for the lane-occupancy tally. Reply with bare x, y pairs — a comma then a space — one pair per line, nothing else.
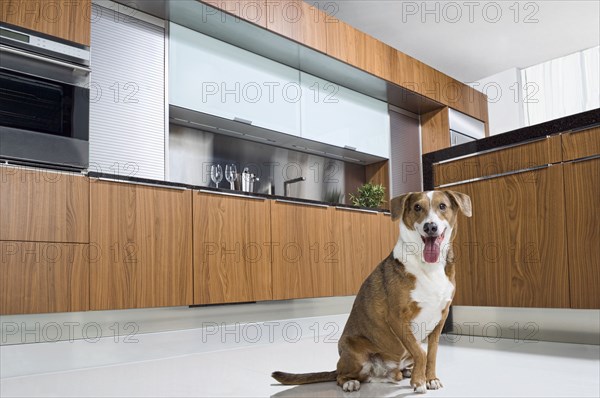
405, 171
127, 95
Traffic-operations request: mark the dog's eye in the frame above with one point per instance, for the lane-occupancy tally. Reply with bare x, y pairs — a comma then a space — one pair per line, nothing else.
442, 206
418, 207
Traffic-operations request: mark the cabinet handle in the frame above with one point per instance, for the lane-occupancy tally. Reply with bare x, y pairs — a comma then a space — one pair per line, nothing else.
301, 203
360, 210
237, 195
592, 157
48, 60
508, 173
145, 184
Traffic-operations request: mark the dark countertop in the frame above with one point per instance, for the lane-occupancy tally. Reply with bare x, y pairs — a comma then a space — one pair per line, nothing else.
94, 174
522, 135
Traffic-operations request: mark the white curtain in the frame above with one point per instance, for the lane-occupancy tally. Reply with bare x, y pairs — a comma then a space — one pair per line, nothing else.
562, 86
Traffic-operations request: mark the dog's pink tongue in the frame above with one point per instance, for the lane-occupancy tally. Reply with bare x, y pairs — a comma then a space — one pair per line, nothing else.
432, 250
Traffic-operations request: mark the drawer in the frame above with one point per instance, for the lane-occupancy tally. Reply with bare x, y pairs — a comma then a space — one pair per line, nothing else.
581, 144
506, 160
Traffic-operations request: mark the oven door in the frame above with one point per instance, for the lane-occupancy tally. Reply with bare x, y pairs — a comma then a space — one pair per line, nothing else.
44, 110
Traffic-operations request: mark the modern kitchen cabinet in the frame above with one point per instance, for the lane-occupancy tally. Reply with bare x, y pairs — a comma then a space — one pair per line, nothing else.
299, 21
232, 248
305, 251
352, 46
144, 238
582, 185
513, 251
249, 10
358, 242
127, 105
68, 20
339, 116
38, 277
390, 232
213, 77
43, 205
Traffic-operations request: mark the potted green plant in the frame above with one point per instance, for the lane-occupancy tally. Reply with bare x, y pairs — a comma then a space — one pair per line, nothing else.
369, 195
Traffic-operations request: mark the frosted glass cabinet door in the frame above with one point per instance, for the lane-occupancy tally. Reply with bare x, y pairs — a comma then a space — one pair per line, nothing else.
338, 116
214, 77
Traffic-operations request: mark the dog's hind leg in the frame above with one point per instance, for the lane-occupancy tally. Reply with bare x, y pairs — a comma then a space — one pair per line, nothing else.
354, 365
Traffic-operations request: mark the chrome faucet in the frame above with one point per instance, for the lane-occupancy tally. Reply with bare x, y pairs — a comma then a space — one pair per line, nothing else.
292, 181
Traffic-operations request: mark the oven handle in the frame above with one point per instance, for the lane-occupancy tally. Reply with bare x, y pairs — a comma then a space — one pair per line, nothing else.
45, 59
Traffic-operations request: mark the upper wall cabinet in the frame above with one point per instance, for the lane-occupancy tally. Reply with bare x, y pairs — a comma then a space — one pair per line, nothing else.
338, 116
211, 76
69, 20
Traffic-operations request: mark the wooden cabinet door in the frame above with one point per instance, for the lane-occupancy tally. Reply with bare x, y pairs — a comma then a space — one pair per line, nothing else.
582, 185
304, 250
254, 11
43, 277
512, 251
68, 20
144, 236
42, 205
358, 235
298, 21
232, 252
390, 232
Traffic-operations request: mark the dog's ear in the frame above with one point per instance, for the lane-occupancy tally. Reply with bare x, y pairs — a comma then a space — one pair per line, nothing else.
462, 201
397, 205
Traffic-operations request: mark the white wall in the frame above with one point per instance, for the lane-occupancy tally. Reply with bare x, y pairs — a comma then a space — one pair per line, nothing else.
536, 94
505, 106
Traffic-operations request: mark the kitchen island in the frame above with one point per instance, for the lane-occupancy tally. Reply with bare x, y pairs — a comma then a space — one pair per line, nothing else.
534, 193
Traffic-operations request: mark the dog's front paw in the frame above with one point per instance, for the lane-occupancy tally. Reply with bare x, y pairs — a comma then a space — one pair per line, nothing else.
351, 385
419, 385
434, 384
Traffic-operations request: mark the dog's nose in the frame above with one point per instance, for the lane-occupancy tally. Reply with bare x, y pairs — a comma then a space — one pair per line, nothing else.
430, 228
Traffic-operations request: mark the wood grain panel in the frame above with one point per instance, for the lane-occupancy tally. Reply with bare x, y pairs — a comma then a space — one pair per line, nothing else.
69, 20
435, 130
377, 58
144, 235
512, 252
298, 21
232, 251
41, 205
405, 71
515, 158
43, 277
379, 173
581, 144
343, 41
358, 237
390, 232
254, 11
582, 185
304, 251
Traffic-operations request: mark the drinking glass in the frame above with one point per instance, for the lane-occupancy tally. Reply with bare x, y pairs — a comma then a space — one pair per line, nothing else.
216, 174
231, 175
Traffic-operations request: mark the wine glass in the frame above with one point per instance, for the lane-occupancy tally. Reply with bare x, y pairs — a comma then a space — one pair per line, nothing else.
231, 174
216, 174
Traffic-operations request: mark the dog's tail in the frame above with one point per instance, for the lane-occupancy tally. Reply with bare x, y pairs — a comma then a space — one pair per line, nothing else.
304, 378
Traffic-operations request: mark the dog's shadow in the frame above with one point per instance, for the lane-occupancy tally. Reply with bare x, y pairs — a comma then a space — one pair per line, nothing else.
322, 390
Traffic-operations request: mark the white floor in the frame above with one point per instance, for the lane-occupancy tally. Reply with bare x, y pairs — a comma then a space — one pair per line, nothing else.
237, 362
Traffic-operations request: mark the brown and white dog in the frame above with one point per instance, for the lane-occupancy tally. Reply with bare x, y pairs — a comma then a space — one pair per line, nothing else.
404, 301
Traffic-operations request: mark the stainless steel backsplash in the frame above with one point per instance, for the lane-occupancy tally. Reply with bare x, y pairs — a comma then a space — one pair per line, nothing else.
192, 152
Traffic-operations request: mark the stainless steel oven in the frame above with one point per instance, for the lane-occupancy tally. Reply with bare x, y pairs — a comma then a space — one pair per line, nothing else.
44, 100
